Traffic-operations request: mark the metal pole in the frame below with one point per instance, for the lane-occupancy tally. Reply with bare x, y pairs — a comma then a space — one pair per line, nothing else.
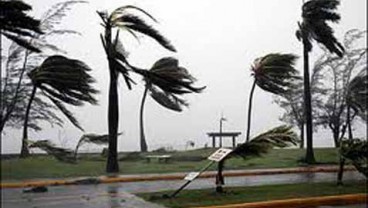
188, 182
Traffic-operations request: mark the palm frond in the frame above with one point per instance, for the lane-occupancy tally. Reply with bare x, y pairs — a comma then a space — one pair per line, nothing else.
315, 15
167, 100
93, 138
281, 136
357, 93
61, 154
275, 72
123, 19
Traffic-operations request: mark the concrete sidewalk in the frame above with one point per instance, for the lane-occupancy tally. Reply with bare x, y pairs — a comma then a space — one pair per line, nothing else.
168, 176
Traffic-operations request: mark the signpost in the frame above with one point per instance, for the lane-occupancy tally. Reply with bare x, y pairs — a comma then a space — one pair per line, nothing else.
217, 156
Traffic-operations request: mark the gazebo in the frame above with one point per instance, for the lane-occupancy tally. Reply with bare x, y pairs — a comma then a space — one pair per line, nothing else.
214, 135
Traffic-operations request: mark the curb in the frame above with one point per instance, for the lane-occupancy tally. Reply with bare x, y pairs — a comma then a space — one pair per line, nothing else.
348, 199
179, 176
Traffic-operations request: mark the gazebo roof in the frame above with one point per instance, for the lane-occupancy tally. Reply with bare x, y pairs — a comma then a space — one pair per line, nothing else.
223, 134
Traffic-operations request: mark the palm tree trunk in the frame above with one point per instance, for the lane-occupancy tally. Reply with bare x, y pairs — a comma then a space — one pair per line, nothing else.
309, 157
25, 151
348, 120
112, 165
143, 142
301, 136
250, 109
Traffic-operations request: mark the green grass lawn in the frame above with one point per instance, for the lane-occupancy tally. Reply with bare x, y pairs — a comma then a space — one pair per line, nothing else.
207, 197
132, 163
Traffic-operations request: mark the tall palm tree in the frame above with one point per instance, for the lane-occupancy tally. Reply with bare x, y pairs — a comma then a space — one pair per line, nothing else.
316, 14
273, 73
281, 136
122, 18
62, 80
166, 81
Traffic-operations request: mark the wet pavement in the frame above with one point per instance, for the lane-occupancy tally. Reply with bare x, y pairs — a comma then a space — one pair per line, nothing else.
118, 194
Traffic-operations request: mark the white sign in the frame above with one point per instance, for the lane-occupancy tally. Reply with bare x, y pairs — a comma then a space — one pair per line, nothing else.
220, 154
191, 176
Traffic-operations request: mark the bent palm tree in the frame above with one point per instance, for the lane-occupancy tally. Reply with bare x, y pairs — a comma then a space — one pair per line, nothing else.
166, 81
281, 136
273, 73
122, 18
315, 14
61, 154
62, 80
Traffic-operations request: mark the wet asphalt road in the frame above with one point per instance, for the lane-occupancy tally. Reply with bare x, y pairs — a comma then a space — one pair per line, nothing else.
117, 194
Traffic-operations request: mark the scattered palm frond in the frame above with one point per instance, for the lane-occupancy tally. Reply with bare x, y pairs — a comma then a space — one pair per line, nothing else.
356, 150
61, 154
281, 136
93, 138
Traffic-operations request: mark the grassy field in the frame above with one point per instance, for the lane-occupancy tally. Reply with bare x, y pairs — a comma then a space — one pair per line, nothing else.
207, 197
132, 163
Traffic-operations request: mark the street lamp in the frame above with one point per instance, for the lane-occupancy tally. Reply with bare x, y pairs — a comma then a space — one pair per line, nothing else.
221, 120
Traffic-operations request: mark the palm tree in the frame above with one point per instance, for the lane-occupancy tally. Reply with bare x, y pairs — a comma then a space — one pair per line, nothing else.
315, 14
62, 80
273, 73
281, 136
356, 100
166, 81
122, 18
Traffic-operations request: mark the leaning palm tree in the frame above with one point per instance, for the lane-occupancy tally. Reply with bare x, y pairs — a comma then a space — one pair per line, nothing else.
62, 80
281, 136
122, 18
166, 81
273, 73
61, 154
315, 14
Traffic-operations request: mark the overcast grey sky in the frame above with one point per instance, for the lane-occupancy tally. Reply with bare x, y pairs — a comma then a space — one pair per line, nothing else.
216, 40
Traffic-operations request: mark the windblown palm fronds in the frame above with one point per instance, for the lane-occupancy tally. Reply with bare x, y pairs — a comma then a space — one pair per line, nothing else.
93, 138
357, 93
16, 25
315, 15
61, 154
356, 150
64, 80
167, 82
281, 136
275, 72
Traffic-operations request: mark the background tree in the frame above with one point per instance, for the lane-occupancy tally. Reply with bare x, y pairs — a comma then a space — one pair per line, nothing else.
167, 82
273, 73
281, 136
122, 18
16, 87
62, 80
315, 14
355, 149
340, 71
